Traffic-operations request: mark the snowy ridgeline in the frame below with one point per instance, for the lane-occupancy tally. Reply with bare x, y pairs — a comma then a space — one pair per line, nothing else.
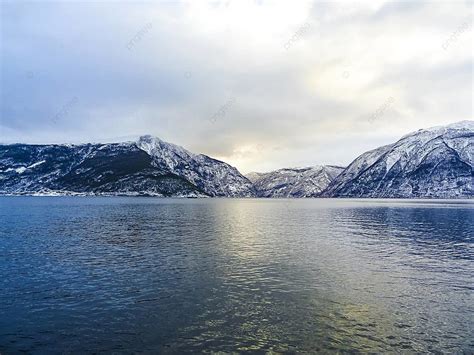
303, 182
436, 162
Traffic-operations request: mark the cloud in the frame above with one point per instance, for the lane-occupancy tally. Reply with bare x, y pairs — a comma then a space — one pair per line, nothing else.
83, 71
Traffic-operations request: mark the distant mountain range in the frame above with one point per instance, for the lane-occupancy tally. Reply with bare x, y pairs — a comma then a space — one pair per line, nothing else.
303, 182
433, 163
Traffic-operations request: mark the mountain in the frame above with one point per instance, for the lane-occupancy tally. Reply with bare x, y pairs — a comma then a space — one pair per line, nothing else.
304, 182
148, 166
432, 163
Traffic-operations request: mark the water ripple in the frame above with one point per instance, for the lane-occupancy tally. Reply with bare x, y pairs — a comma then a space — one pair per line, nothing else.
82, 275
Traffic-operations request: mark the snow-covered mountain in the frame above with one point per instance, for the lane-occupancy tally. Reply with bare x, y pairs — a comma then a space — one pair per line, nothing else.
303, 182
148, 166
434, 163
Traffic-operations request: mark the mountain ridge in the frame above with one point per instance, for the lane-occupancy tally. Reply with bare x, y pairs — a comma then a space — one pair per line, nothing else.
294, 182
149, 166
435, 162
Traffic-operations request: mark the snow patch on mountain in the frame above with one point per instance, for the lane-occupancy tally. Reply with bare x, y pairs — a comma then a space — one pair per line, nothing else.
22, 169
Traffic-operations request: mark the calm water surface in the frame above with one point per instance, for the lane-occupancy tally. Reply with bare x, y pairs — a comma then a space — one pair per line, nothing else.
82, 275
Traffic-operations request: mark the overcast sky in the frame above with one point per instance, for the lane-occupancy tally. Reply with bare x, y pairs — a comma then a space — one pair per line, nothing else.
259, 84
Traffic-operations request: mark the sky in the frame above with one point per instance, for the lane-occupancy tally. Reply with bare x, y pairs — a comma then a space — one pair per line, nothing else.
260, 84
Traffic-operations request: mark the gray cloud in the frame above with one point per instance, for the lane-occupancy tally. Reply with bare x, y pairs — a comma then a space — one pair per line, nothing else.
82, 71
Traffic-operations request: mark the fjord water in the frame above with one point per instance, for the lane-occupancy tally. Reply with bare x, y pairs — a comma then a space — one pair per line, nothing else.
96, 274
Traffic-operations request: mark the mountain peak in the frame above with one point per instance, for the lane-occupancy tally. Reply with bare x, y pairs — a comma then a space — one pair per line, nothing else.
155, 146
149, 137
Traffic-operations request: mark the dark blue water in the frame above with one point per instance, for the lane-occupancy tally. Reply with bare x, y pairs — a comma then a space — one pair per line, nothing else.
82, 275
